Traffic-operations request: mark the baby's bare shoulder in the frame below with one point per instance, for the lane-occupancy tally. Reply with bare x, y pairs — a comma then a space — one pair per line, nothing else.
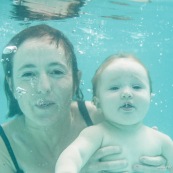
158, 135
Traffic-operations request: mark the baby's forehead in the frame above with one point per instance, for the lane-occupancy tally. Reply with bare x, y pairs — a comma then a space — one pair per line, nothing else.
124, 67
124, 60
123, 64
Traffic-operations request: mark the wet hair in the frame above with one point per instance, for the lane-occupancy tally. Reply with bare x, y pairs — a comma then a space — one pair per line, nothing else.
108, 61
35, 32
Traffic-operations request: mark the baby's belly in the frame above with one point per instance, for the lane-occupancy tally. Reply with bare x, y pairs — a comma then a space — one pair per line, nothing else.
132, 153
144, 142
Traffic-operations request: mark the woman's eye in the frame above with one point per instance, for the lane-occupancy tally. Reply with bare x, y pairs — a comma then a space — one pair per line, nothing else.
56, 72
28, 75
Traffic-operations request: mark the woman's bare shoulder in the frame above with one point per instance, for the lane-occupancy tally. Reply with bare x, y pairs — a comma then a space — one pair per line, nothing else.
12, 125
94, 114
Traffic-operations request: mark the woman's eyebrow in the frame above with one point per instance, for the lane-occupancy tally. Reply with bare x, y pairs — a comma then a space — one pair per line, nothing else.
26, 66
54, 64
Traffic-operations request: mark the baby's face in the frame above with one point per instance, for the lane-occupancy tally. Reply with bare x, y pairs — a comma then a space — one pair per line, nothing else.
123, 92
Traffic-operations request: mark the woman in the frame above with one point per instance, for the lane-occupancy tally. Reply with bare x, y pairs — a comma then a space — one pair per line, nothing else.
41, 84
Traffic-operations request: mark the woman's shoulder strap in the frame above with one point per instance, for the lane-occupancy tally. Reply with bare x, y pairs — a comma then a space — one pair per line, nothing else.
84, 112
9, 149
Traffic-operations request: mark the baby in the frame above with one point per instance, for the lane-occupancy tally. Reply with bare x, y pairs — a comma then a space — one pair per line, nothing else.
122, 92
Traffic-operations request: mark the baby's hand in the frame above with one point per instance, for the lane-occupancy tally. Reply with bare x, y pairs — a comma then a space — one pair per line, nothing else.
100, 161
151, 165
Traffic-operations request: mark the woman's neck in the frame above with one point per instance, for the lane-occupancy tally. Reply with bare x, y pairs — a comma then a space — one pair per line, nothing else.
55, 128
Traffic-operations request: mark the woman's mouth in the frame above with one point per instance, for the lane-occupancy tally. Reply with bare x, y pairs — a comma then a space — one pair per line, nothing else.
44, 104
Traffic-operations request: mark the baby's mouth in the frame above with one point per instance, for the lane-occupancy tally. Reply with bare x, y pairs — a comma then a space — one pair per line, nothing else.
127, 106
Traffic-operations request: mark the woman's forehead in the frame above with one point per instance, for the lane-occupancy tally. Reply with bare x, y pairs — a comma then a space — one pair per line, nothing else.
33, 52
37, 45
38, 42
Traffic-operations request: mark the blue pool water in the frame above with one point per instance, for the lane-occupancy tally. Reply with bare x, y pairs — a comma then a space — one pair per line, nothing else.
100, 28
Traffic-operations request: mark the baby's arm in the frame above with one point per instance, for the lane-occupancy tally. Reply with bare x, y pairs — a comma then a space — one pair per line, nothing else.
76, 155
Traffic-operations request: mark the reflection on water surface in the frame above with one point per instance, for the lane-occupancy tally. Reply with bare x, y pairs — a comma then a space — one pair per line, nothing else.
45, 10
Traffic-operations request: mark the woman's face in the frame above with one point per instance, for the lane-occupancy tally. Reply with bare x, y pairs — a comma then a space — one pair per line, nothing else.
42, 81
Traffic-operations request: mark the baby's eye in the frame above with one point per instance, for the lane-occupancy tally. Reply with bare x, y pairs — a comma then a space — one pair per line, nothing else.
114, 88
137, 87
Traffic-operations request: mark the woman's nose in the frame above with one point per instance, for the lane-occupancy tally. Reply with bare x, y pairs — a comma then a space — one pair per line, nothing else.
43, 85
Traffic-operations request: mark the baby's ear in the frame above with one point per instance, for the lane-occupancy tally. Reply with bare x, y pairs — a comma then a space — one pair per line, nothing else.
79, 73
152, 95
96, 101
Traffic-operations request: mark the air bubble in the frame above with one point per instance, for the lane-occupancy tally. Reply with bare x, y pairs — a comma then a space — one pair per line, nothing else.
89, 90
20, 91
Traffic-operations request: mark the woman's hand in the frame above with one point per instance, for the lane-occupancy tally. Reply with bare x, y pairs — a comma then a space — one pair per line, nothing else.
151, 165
104, 160
100, 161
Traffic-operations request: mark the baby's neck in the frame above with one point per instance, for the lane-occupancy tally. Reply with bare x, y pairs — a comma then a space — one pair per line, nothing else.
124, 128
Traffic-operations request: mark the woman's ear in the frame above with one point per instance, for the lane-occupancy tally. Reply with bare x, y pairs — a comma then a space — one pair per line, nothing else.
10, 84
76, 83
9, 81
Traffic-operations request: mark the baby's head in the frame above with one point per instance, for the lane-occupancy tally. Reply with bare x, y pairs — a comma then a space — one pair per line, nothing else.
122, 86
109, 61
